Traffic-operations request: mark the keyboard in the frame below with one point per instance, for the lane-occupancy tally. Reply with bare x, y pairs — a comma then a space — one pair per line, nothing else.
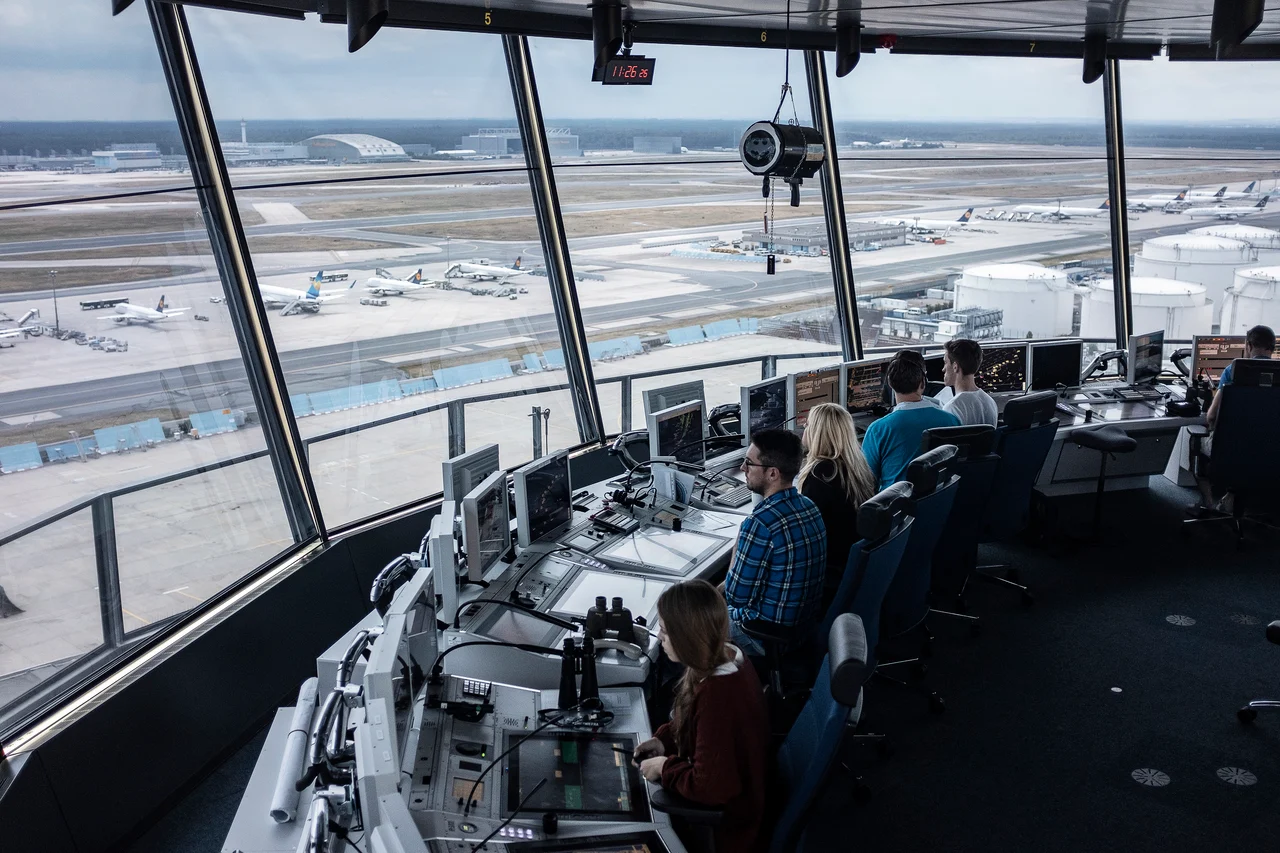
737, 496
1139, 393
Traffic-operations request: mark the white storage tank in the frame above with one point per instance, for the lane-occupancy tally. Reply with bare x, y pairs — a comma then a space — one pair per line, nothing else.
1254, 299
1180, 308
1266, 241
1200, 258
1036, 301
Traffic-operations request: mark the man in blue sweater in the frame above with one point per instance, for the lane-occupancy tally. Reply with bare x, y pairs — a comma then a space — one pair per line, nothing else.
893, 441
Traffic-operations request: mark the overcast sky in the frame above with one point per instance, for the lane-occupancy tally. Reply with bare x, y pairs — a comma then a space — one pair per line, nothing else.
81, 64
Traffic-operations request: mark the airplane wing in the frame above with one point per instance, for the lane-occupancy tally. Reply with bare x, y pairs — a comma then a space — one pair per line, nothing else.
10, 333
115, 317
175, 312
329, 297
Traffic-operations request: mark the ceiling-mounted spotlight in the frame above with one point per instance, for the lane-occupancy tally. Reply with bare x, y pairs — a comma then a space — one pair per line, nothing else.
786, 151
848, 47
1233, 21
364, 19
118, 6
606, 35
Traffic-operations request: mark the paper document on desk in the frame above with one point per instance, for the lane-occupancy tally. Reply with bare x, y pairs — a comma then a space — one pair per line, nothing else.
662, 550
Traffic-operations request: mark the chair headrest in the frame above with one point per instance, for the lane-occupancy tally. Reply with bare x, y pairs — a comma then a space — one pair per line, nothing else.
969, 440
880, 514
1255, 372
847, 658
929, 469
1030, 410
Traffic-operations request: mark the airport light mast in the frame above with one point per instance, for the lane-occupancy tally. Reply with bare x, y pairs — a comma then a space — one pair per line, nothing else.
53, 279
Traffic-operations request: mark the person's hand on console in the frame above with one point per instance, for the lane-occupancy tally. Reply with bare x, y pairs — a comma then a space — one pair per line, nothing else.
650, 748
651, 768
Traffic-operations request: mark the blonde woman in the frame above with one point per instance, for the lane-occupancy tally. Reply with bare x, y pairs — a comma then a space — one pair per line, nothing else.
837, 478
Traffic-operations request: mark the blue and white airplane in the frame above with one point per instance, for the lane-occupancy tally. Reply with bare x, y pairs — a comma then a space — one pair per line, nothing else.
292, 301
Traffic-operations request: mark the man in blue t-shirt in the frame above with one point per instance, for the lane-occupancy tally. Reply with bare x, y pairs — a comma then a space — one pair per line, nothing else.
1259, 342
893, 441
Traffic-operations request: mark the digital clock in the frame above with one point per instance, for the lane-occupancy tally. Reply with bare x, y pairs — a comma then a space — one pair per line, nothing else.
629, 71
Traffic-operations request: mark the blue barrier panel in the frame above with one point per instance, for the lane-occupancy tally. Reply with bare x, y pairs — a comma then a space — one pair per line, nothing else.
469, 374
409, 387
64, 450
633, 345
301, 405
111, 439
20, 457
333, 400
554, 358
686, 335
750, 325
532, 363
378, 392
213, 423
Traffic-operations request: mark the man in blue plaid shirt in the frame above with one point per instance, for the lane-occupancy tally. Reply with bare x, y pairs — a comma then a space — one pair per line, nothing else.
781, 555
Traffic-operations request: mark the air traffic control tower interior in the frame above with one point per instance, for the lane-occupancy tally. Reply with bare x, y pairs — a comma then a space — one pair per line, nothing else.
371, 369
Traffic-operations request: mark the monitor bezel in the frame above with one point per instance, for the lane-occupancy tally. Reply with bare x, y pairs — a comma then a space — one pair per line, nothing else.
648, 393
462, 459
1131, 368
793, 419
1055, 342
523, 532
654, 418
1026, 362
471, 522
1195, 353
844, 380
744, 408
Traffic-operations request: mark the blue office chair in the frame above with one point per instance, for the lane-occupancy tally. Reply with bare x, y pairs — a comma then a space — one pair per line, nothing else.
1244, 458
1030, 424
957, 548
811, 748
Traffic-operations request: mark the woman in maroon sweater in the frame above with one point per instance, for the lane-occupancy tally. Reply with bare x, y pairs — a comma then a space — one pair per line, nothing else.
715, 749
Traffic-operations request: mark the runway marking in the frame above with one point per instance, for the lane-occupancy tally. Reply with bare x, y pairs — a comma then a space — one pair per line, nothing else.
618, 324
503, 342
706, 309
176, 589
460, 349
179, 591
22, 420
128, 612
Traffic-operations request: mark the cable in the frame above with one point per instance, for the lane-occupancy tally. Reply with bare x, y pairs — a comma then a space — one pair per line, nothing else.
503, 825
526, 647
466, 810
545, 617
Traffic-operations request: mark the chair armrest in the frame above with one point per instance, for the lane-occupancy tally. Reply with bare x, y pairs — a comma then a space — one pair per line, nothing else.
1195, 440
1198, 430
673, 804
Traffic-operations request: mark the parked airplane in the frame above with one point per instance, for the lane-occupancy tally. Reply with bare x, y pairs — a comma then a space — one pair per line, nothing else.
1152, 202
1225, 212
383, 283
484, 271
130, 314
927, 226
22, 328
1061, 212
292, 301
1222, 194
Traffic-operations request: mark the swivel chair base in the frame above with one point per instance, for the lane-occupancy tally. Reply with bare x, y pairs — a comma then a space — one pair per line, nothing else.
987, 573
1249, 712
975, 623
919, 669
1237, 521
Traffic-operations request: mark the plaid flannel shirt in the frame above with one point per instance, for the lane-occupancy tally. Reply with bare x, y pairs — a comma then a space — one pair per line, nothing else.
779, 562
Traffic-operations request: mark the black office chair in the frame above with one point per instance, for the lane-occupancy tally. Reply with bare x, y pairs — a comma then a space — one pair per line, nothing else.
1244, 457
956, 552
1029, 428
811, 748
1108, 440
1249, 712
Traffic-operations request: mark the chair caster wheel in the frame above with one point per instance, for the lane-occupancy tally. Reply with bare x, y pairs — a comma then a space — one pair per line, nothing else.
861, 791
884, 749
1028, 599
975, 630
1247, 715
936, 705
919, 670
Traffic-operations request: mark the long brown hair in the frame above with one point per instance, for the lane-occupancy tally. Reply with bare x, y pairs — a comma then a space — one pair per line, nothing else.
696, 621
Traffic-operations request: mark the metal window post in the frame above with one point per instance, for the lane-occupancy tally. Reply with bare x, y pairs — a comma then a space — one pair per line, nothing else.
555, 246
457, 427
833, 208
239, 282
104, 550
1117, 195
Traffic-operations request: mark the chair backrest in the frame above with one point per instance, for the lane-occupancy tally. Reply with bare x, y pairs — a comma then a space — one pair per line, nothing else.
1024, 445
884, 521
1246, 456
957, 548
969, 440
813, 744
907, 602
1255, 372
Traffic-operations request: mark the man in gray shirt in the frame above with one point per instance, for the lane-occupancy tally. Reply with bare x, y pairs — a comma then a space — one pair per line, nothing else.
961, 359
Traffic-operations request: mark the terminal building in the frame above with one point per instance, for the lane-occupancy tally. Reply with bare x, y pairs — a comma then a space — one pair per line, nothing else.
431, 507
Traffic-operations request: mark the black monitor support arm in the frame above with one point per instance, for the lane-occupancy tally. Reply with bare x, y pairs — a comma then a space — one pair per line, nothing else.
1102, 362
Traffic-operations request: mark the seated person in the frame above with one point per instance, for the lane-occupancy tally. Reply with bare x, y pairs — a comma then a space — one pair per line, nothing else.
781, 554
837, 478
1259, 342
714, 751
894, 440
961, 359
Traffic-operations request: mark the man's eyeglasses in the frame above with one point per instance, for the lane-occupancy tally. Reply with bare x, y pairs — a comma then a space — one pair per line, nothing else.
747, 463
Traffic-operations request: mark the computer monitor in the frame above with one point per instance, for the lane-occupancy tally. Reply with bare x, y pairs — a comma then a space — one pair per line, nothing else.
1210, 355
1055, 363
657, 399
764, 406
1146, 358
486, 528
1004, 368
677, 432
809, 388
465, 471
580, 774
864, 384
442, 554
933, 367
544, 507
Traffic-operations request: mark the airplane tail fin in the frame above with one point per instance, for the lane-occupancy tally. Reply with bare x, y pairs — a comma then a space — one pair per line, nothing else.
319, 277
313, 291
1263, 203
417, 277
160, 306
1106, 205
1249, 188
1182, 196
516, 265
1220, 193
966, 216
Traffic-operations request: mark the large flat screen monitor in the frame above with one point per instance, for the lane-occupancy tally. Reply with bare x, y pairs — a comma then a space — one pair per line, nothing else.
465, 471
764, 406
544, 507
1055, 363
864, 385
1004, 368
657, 399
1146, 358
1210, 355
589, 776
677, 432
486, 529
809, 388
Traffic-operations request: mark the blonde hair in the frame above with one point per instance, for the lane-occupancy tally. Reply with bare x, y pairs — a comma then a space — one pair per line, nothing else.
832, 438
